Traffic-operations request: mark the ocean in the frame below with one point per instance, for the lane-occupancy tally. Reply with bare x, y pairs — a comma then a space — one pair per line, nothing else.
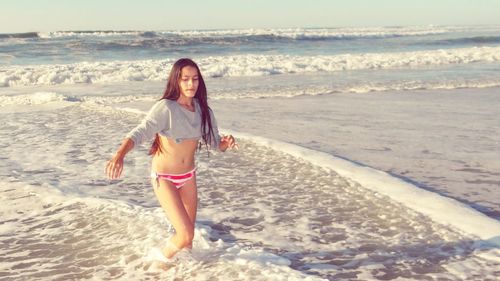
365, 154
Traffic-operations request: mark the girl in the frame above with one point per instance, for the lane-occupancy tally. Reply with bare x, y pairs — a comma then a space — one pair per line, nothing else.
178, 120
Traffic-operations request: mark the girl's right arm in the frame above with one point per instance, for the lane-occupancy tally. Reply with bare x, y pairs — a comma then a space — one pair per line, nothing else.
114, 167
157, 119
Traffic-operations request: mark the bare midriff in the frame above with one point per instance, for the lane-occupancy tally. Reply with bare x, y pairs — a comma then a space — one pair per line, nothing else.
175, 158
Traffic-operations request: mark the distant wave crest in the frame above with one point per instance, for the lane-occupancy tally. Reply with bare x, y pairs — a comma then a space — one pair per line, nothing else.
469, 40
249, 34
19, 35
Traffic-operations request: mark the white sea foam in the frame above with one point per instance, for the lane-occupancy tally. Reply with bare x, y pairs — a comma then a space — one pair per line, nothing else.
36, 98
441, 209
239, 65
84, 72
358, 88
84, 231
420, 85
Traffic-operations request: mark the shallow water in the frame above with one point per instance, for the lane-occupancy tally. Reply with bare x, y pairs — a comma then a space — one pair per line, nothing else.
445, 141
263, 215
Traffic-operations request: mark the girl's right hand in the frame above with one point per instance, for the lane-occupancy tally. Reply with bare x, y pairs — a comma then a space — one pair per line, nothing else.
114, 167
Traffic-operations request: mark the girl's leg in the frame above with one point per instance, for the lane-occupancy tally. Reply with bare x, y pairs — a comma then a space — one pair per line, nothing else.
171, 202
189, 197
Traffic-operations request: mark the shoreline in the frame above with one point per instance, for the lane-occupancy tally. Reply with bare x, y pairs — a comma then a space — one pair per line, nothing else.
442, 141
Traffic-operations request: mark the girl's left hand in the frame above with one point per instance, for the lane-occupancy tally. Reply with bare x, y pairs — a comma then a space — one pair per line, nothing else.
227, 142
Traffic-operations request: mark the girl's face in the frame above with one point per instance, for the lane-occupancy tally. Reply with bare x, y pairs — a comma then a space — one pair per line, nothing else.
188, 83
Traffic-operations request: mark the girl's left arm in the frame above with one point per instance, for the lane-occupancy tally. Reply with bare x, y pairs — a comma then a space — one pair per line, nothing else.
221, 142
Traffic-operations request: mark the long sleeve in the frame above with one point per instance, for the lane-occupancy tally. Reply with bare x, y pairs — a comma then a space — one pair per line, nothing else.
215, 142
157, 119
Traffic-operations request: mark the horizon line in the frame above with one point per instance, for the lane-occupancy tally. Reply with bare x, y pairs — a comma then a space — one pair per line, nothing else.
250, 28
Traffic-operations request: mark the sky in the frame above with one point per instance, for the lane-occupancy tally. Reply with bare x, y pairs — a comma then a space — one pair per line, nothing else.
52, 15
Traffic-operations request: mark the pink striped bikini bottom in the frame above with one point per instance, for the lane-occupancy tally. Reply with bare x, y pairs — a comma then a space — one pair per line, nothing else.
178, 180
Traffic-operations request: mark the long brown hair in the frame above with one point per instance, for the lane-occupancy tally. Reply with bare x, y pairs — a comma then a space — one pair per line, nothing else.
172, 92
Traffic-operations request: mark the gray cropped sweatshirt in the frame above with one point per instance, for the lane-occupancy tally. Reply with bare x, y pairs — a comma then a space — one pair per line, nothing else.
173, 121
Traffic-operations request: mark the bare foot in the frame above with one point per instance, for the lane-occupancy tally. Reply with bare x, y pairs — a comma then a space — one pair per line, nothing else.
159, 265
170, 250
